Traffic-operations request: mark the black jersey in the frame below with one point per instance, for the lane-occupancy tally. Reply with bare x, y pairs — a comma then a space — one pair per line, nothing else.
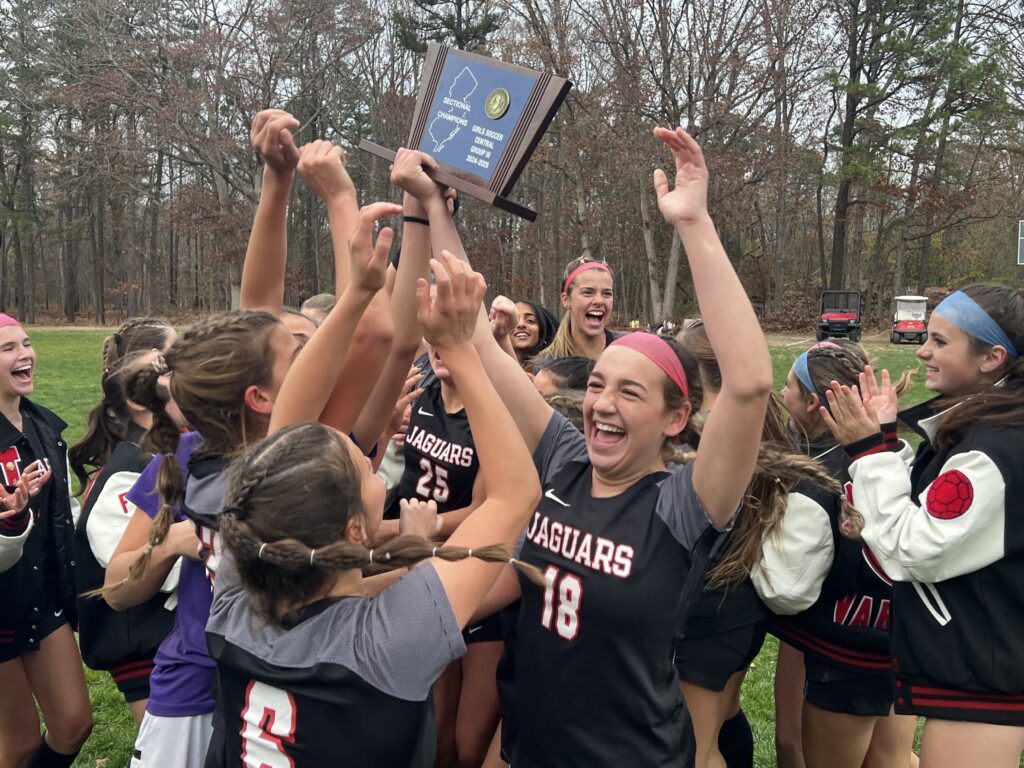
440, 457
346, 682
594, 679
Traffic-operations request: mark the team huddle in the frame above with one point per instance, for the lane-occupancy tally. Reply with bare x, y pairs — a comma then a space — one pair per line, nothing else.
401, 527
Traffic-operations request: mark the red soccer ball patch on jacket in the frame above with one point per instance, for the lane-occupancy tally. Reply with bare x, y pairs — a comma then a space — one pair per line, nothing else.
950, 495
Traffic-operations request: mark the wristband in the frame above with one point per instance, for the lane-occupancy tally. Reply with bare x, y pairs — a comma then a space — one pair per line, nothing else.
890, 432
865, 447
415, 220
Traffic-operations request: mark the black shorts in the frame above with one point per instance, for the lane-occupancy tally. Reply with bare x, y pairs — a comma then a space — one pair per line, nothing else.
25, 634
486, 631
711, 660
848, 693
132, 679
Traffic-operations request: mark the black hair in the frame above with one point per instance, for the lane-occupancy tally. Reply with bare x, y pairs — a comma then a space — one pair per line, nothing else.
569, 372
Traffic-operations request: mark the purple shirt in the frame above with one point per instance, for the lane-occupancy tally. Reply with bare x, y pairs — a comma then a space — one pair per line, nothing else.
183, 672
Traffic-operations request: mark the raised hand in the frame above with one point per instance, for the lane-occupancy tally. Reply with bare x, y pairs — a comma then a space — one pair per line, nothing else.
35, 476
399, 421
321, 165
271, 136
403, 428
368, 261
449, 319
687, 201
846, 417
503, 317
879, 400
407, 173
418, 518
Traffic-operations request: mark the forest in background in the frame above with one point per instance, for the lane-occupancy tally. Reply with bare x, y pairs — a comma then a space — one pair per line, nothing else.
868, 144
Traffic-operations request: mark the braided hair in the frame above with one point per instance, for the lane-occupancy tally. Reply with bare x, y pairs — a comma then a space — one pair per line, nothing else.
212, 365
136, 334
287, 560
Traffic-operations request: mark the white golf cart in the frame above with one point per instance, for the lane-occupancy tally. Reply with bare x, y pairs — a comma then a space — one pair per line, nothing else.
909, 321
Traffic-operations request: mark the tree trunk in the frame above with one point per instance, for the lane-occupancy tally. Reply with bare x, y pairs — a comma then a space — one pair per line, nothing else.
99, 266
652, 255
672, 275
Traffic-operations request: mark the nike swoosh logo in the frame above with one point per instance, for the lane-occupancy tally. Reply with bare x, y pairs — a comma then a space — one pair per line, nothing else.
471, 630
58, 613
551, 495
421, 412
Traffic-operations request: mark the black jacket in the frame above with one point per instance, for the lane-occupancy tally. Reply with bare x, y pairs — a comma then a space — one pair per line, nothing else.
110, 638
17, 583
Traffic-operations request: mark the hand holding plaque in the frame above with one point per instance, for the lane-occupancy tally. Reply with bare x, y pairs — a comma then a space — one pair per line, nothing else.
409, 173
480, 120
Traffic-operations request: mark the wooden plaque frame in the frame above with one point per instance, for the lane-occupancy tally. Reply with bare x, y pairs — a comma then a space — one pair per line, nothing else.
545, 98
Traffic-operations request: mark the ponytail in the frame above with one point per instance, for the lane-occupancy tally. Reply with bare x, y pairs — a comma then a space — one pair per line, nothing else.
135, 335
288, 559
778, 471
108, 420
275, 571
143, 387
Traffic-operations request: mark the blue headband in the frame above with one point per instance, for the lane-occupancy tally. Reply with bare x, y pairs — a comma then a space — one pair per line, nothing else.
965, 313
803, 373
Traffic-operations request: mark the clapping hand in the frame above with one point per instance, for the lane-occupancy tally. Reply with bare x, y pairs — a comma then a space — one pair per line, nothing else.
35, 476
847, 417
271, 136
879, 400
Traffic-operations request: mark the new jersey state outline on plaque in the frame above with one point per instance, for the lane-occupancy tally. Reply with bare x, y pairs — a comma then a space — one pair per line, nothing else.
446, 125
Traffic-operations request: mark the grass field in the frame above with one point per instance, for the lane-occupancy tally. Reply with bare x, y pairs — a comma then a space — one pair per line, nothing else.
67, 382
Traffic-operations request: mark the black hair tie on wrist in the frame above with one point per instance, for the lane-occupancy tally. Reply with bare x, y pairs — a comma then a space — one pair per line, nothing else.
415, 220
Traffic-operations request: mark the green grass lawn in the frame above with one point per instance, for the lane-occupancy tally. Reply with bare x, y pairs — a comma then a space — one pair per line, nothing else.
67, 382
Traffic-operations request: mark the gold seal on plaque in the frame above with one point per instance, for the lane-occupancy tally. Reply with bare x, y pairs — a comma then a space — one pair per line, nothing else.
497, 103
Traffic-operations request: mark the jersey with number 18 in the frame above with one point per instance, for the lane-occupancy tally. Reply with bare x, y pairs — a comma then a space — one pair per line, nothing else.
594, 679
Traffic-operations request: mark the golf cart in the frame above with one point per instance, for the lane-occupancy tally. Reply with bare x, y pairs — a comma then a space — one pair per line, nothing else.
840, 315
908, 321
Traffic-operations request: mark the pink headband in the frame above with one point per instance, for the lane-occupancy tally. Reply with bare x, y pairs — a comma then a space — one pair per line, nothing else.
6, 320
583, 268
658, 351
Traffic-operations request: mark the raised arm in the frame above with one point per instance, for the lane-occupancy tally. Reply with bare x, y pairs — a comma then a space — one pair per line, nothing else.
413, 264
506, 467
266, 257
372, 341
728, 447
314, 374
530, 412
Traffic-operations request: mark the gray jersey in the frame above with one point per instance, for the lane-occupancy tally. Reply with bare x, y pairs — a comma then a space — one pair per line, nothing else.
349, 678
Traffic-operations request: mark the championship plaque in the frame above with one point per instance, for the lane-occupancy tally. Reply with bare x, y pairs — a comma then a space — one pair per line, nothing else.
480, 119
